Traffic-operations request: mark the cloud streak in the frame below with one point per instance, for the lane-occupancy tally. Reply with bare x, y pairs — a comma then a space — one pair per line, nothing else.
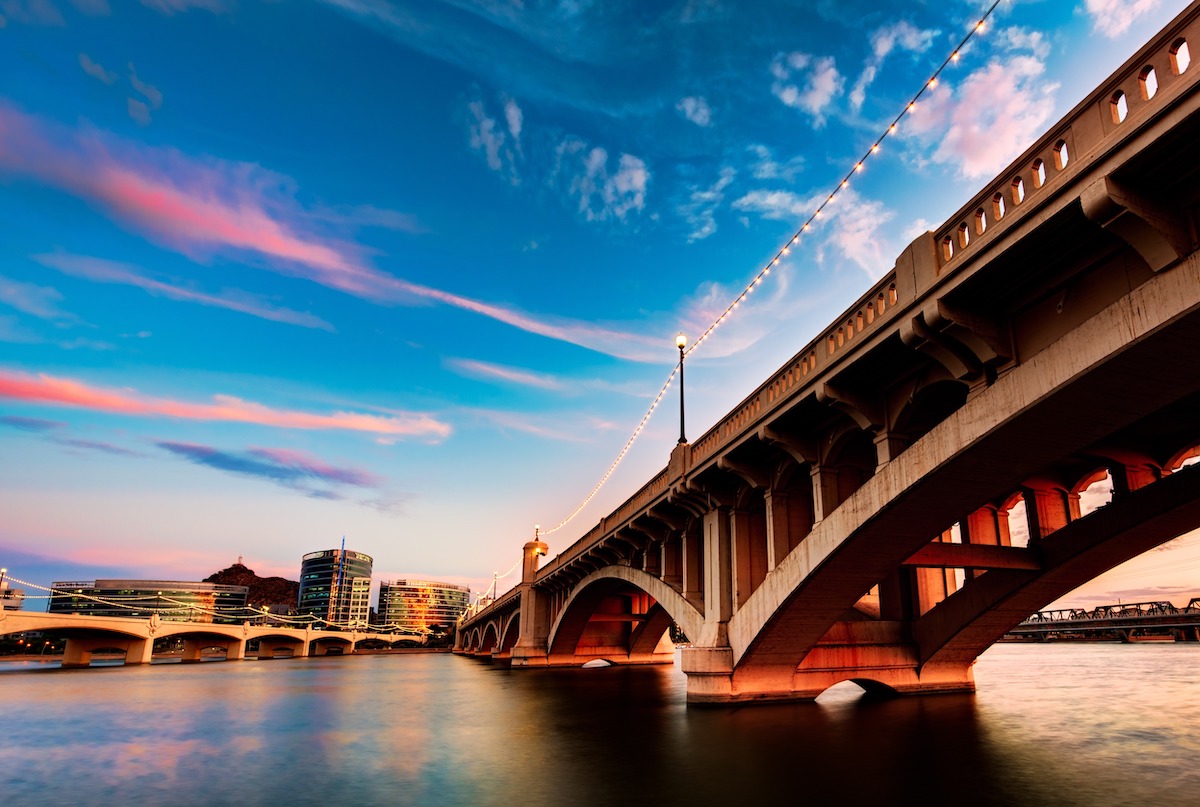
103, 271
513, 375
200, 208
38, 301
45, 389
287, 467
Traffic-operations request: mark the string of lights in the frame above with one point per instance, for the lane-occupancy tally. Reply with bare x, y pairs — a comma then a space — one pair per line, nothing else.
782, 253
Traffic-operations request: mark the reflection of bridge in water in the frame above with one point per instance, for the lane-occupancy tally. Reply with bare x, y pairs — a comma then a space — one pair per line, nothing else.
135, 638
863, 514
1124, 622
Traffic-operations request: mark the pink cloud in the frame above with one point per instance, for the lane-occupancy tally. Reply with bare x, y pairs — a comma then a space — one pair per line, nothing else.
46, 389
483, 369
200, 208
990, 118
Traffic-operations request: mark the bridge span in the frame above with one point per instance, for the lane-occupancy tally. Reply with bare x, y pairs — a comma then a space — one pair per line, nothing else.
86, 635
863, 514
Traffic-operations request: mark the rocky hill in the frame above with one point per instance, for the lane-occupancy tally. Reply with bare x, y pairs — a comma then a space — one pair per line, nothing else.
268, 591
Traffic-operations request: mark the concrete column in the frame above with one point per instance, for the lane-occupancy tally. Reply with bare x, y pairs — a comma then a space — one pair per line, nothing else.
236, 650
77, 653
652, 561
985, 526
672, 567
139, 651
778, 524
718, 578
888, 445
693, 566
1047, 511
191, 650
825, 491
742, 544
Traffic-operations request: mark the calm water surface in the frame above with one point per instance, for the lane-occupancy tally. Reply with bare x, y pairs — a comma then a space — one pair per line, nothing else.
1096, 725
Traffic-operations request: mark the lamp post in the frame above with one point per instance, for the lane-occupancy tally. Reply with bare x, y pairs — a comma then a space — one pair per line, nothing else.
681, 343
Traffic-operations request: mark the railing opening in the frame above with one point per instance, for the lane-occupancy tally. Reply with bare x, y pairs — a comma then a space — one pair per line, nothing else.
1119, 107
1181, 57
1148, 81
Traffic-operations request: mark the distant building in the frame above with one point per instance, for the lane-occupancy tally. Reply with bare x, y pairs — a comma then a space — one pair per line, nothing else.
11, 599
415, 605
335, 586
172, 600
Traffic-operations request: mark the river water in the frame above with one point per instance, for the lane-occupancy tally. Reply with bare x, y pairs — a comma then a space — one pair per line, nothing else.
1051, 724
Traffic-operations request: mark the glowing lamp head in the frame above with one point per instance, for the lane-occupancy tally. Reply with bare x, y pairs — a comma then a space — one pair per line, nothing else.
680, 340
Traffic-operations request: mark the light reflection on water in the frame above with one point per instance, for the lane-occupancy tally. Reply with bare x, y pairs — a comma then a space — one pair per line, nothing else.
1096, 725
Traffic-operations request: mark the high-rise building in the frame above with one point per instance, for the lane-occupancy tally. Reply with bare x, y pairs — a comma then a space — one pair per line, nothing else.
335, 586
414, 606
172, 600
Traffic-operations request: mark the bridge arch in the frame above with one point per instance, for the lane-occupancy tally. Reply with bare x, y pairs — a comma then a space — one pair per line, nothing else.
578, 630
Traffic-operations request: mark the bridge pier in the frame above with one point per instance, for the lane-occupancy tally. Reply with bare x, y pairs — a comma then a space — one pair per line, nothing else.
871, 654
78, 652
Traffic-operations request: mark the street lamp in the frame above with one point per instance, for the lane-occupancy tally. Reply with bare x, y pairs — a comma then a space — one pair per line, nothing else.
158, 603
681, 343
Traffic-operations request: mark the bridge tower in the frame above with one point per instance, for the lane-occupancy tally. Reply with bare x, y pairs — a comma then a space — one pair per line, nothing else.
530, 649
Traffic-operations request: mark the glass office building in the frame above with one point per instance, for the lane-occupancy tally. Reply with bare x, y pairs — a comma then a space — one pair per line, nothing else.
415, 605
335, 586
173, 600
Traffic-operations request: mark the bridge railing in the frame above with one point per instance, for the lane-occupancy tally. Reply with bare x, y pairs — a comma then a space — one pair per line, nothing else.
1154, 74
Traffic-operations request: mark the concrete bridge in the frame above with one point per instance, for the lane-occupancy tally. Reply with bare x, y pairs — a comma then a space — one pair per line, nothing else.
86, 635
863, 514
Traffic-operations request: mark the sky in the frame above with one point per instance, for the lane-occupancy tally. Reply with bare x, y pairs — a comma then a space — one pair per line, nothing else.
277, 274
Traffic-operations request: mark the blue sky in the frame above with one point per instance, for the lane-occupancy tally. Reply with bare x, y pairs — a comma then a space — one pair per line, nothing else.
275, 273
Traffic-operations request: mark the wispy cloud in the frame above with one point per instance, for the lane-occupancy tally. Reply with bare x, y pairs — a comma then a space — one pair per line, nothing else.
766, 166
96, 445
45, 389
499, 144
603, 193
806, 82
37, 425
700, 209
53, 430
902, 34
39, 301
204, 207
852, 224
1113, 17
96, 70
171, 7
32, 12
277, 464
513, 375
103, 271
696, 109
532, 425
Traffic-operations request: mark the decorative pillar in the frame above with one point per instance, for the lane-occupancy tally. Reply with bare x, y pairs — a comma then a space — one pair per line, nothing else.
530, 649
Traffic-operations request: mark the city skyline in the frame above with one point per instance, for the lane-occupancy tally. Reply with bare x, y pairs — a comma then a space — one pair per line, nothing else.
410, 274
